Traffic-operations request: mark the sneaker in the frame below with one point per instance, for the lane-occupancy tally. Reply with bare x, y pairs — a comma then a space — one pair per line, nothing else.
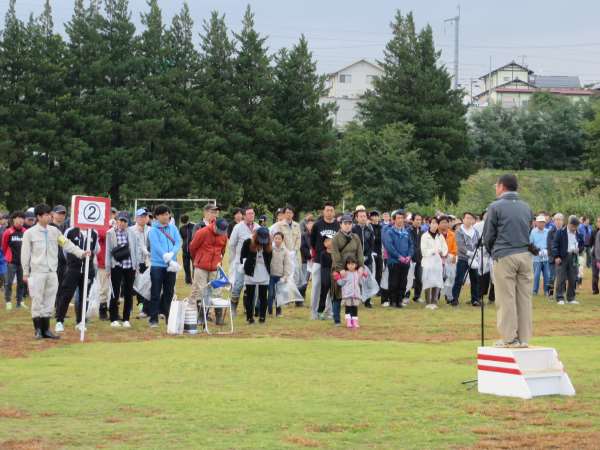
22, 305
79, 326
476, 304
418, 300
573, 302
512, 344
434, 306
560, 302
523, 345
59, 328
405, 302
428, 306
142, 315
385, 304
8, 306
115, 324
321, 316
126, 324
337, 324
151, 324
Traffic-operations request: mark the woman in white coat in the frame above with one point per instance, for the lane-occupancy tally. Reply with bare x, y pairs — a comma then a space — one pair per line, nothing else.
434, 249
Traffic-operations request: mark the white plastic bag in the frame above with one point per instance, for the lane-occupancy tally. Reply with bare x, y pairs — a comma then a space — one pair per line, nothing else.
410, 278
368, 286
142, 284
433, 272
385, 275
93, 303
176, 316
287, 293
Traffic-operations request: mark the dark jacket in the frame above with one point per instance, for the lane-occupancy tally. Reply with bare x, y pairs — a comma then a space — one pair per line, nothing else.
77, 237
305, 248
560, 245
550, 244
187, 235
377, 244
11, 245
416, 234
250, 258
507, 225
320, 231
366, 235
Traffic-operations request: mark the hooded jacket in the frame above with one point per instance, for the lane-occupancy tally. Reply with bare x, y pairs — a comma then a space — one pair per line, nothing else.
207, 248
366, 234
161, 244
397, 242
12, 240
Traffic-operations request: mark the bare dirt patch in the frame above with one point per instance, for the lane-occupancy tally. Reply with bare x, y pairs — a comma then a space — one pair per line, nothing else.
12, 413
303, 441
541, 440
28, 444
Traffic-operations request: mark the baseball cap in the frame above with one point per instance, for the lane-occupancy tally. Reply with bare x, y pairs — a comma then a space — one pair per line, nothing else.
263, 218
59, 209
262, 235
221, 226
573, 220
360, 208
29, 215
347, 218
540, 218
113, 210
123, 215
141, 212
210, 207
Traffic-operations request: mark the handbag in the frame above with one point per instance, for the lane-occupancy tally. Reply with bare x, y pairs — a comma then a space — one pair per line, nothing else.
121, 252
177, 310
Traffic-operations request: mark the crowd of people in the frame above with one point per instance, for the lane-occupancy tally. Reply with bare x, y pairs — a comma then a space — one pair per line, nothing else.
337, 254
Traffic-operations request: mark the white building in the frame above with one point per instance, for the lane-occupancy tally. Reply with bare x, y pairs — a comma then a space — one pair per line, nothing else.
346, 86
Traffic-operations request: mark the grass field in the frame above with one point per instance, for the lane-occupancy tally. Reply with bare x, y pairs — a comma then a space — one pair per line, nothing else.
293, 383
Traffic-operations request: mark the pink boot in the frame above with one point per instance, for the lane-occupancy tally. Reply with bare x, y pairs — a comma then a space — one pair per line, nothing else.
355, 322
348, 321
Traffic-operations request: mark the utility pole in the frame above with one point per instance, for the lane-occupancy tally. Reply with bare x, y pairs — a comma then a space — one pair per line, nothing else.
456, 21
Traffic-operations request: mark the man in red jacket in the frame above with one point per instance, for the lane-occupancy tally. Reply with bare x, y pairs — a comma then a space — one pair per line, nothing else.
207, 250
11, 247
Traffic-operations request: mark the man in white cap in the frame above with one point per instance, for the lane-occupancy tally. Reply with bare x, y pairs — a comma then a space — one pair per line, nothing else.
538, 237
140, 231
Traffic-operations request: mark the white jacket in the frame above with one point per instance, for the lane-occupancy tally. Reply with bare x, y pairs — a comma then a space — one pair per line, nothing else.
430, 246
239, 234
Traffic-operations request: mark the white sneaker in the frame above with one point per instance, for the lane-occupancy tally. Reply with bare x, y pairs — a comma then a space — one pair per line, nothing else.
115, 324
573, 302
59, 327
8, 306
405, 302
126, 324
428, 306
79, 326
385, 305
561, 302
434, 306
23, 306
142, 315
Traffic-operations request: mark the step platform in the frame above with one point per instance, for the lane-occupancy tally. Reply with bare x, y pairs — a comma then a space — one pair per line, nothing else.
521, 372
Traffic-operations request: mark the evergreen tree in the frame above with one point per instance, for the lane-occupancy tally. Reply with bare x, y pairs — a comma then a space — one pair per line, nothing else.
414, 88
305, 157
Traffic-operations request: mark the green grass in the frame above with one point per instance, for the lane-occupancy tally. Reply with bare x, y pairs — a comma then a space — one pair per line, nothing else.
293, 383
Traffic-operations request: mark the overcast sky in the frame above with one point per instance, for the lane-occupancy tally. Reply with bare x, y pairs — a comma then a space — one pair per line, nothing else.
553, 37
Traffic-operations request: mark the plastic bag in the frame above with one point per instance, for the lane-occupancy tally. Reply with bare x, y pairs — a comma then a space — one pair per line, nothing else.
410, 278
142, 284
93, 303
177, 315
368, 286
433, 272
385, 275
287, 293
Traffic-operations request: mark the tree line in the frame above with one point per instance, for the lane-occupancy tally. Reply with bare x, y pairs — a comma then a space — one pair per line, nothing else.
108, 110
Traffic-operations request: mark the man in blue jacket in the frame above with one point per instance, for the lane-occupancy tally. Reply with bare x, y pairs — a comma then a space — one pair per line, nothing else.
397, 241
165, 243
567, 245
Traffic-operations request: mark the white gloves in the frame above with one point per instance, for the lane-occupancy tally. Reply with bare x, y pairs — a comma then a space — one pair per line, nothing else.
173, 267
167, 257
470, 253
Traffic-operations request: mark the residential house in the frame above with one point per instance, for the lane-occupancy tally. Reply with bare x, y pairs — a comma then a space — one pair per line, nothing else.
346, 86
513, 85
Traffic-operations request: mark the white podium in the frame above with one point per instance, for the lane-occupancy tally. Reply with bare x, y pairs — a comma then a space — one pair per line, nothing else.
521, 372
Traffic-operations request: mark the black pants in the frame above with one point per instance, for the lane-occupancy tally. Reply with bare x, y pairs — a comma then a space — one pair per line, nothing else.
249, 294
121, 277
325, 287
72, 280
486, 287
462, 267
417, 283
352, 311
61, 270
187, 267
398, 274
594, 276
378, 268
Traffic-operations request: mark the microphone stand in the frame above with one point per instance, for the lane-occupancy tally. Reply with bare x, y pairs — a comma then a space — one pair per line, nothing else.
479, 294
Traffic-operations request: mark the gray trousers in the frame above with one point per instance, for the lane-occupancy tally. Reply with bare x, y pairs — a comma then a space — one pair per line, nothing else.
315, 293
12, 271
566, 276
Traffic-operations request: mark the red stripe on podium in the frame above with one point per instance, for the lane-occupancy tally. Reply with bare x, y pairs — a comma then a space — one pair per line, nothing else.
506, 359
499, 369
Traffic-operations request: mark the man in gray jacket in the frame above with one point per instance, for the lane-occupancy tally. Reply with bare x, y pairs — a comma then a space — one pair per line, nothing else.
467, 239
506, 237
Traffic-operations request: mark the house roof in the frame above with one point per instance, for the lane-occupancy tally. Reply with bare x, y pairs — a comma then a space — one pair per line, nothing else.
355, 63
559, 91
505, 85
549, 82
512, 63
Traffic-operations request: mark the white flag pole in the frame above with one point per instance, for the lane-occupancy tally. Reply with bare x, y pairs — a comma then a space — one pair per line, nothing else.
85, 284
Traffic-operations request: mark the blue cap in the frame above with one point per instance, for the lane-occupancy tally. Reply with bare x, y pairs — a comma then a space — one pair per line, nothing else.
141, 212
123, 215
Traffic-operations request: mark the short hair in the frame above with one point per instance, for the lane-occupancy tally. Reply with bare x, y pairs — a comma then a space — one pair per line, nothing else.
288, 208
441, 219
162, 209
16, 214
417, 214
247, 208
279, 233
509, 181
467, 213
42, 209
558, 216
326, 204
185, 218
398, 212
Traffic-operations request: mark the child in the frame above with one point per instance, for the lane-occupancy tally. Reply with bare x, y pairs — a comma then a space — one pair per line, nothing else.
349, 281
325, 261
281, 270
